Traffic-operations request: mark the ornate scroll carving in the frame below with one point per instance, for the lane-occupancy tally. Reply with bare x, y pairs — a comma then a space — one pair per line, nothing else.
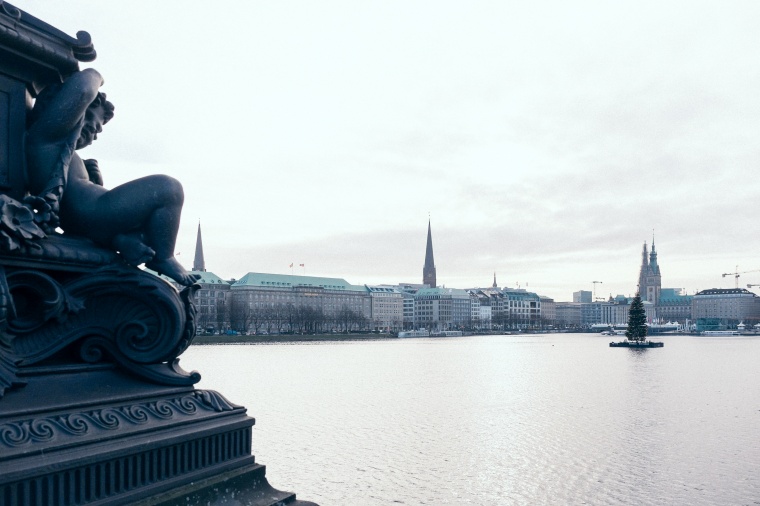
83, 423
116, 313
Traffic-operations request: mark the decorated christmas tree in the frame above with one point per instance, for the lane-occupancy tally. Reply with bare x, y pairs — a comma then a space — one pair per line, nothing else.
637, 321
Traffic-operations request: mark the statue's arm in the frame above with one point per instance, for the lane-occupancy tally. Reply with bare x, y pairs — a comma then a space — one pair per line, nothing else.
67, 107
93, 171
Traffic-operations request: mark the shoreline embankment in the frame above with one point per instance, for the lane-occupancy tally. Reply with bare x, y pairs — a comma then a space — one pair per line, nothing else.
287, 338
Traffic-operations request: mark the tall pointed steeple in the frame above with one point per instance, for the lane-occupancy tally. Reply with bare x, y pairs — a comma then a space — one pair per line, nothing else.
428, 271
643, 270
650, 279
199, 264
653, 259
494, 281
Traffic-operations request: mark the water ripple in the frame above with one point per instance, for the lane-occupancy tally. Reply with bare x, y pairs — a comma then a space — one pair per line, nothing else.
554, 419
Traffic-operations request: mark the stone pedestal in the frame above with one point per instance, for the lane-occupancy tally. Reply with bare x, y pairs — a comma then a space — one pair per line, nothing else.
94, 408
94, 435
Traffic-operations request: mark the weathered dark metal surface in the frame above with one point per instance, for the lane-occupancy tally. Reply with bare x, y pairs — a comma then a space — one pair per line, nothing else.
94, 407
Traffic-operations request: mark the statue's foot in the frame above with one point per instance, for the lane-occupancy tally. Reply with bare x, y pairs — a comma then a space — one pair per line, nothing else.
170, 267
133, 250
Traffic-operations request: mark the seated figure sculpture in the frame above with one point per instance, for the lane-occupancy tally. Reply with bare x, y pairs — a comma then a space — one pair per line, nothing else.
138, 219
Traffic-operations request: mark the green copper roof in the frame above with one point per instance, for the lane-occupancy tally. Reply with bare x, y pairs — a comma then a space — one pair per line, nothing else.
259, 279
673, 295
453, 292
519, 294
209, 278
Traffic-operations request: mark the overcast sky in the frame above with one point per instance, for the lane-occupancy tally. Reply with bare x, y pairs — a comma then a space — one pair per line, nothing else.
545, 140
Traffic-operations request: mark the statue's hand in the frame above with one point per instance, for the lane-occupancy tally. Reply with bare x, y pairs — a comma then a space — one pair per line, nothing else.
93, 171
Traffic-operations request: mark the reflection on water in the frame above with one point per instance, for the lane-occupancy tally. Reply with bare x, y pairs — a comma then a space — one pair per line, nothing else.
529, 419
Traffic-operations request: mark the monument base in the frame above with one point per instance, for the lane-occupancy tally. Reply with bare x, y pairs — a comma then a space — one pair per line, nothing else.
245, 486
93, 434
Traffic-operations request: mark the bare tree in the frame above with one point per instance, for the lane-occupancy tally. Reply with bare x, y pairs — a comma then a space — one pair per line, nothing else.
221, 314
240, 313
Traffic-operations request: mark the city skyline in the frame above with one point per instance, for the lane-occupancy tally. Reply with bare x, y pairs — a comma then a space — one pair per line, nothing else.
545, 142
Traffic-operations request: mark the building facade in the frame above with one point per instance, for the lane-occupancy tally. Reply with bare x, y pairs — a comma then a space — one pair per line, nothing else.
387, 308
650, 279
211, 303
548, 310
523, 307
303, 304
433, 309
725, 308
211, 299
568, 314
674, 306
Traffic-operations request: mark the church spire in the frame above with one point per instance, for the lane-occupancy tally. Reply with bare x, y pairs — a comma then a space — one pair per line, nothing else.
428, 271
653, 258
644, 257
643, 271
650, 279
199, 264
494, 281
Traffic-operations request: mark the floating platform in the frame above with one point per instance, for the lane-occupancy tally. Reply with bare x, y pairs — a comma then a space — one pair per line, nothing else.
634, 344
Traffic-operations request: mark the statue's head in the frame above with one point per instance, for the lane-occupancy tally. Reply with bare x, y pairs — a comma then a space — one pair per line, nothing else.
98, 113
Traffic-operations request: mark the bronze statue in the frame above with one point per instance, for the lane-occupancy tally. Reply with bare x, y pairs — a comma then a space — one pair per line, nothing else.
138, 219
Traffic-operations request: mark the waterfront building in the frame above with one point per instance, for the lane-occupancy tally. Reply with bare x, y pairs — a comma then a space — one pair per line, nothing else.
523, 308
484, 314
615, 310
725, 308
408, 319
674, 306
650, 279
407, 291
494, 300
583, 296
289, 303
548, 310
211, 301
387, 308
568, 314
591, 313
428, 270
432, 309
212, 296
442, 309
461, 308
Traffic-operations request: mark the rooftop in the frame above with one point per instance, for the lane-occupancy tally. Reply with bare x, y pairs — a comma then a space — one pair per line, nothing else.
726, 291
209, 278
259, 279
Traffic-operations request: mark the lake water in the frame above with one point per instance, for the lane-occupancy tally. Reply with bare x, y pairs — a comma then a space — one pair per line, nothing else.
492, 420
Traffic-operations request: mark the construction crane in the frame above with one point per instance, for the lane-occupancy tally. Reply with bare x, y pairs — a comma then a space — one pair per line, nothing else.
736, 275
595, 283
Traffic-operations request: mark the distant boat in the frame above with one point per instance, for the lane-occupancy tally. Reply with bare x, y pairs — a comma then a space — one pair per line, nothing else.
414, 333
720, 333
446, 333
637, 344
659, 328
652, 328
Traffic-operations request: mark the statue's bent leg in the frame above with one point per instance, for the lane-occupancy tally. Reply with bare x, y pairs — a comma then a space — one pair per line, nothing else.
150, 208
